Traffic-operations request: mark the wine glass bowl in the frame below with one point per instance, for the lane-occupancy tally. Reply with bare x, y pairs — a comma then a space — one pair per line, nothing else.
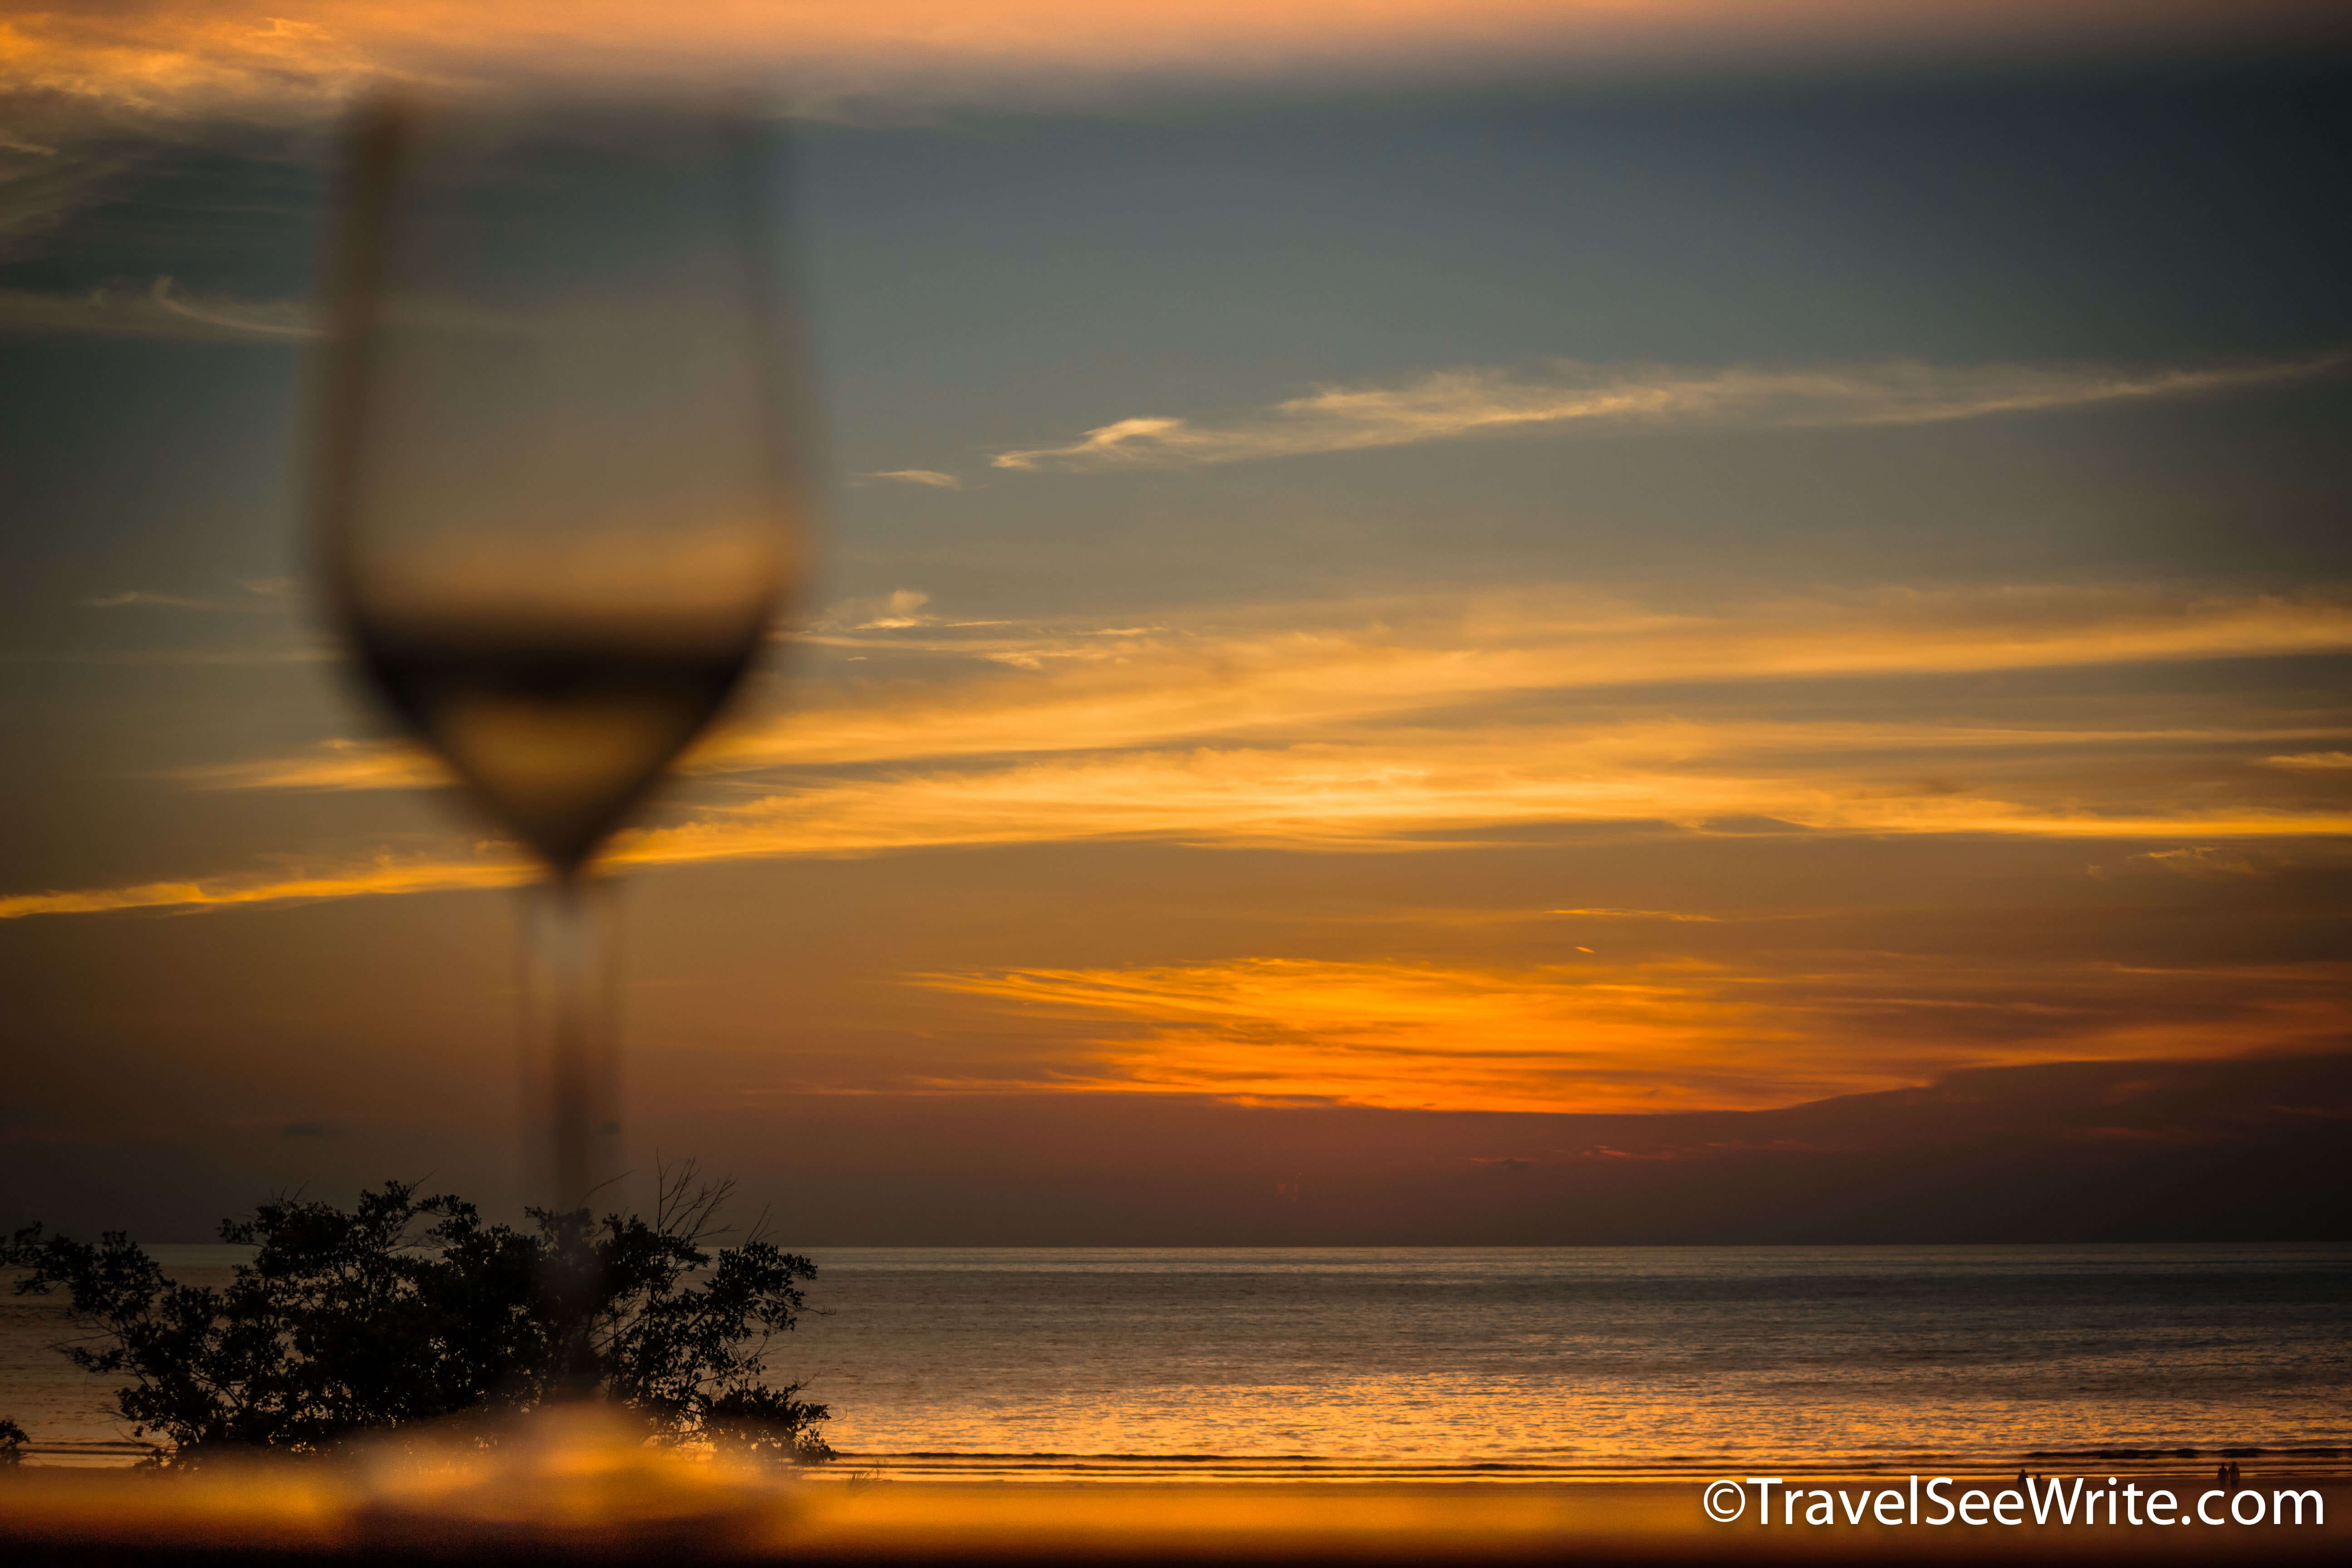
555, 489
556, 503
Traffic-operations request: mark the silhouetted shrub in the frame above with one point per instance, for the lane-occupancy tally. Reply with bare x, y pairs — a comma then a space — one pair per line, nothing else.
407, 1308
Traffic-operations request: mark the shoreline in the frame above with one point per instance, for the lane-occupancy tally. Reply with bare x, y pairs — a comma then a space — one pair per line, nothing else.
2189, 1466
1210, 1470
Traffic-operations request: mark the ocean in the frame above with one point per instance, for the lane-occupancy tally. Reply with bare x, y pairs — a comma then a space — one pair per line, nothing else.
1511, 1364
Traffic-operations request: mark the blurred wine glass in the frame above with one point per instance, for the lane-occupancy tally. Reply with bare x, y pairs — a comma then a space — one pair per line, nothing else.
554, 490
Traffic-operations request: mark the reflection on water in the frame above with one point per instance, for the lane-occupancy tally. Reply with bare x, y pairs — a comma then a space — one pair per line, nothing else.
1515, 1363
1553, 1361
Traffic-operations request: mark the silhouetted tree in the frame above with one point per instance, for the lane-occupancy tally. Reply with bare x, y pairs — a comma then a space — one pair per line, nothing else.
407, 1308
12, 1443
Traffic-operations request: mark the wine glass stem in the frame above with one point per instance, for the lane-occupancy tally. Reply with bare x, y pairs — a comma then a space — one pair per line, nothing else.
572, 1061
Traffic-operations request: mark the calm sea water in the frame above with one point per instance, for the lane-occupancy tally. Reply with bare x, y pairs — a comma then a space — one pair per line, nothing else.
1533, 1363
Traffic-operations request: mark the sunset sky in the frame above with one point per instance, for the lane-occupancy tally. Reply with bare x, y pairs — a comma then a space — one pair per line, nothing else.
1413, 602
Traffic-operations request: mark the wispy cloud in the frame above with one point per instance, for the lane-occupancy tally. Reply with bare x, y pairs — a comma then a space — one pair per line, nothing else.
159, 310
357, 880
1275, 672
140, 596
216, 56
208, 58
1413, 793
899, 610
931, 479
317, 653
261, 594
2202, 861
338, 764
1296, 800
1675, 915
1440, 722
1297, 670
1426, 794
1452, 405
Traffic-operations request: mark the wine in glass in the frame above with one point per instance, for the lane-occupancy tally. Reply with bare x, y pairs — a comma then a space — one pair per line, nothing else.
555, 491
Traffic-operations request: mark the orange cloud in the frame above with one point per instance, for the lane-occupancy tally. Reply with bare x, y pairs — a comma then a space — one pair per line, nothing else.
1407, 1035
1414, 794
1661, 1035
380, 876
1413, 733
175, 56
1405, 794
334, 766
1300, 672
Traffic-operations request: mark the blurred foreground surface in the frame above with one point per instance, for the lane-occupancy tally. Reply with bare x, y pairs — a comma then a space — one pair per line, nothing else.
570, 1492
